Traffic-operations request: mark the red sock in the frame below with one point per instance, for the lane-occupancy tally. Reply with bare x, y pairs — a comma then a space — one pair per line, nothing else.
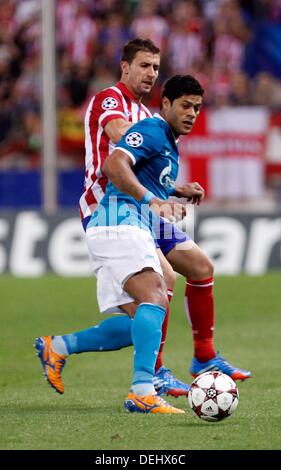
159, 361
199, 302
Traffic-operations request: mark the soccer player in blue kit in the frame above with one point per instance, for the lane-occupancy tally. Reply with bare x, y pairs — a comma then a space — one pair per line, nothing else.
120, 235
140, 149
110, 113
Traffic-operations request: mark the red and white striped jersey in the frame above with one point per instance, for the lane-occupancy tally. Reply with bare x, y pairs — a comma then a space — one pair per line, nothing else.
112, 103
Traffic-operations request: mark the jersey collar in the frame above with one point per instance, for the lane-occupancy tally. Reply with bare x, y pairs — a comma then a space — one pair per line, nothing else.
157, 115
126, 92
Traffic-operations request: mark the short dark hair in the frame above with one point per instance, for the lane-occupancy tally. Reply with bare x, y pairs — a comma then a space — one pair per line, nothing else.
180, 85
132, 47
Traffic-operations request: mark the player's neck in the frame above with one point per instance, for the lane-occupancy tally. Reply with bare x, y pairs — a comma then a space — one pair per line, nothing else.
135, 95
163, 116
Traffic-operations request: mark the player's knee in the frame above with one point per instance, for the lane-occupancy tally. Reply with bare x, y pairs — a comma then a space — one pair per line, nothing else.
208, 268
158, 296
161, 299
205, 269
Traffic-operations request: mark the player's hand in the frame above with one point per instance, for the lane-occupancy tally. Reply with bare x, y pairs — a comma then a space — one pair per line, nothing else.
170, 210
193, 192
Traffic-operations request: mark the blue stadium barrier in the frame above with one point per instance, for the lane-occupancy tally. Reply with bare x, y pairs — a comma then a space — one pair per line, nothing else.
22, 188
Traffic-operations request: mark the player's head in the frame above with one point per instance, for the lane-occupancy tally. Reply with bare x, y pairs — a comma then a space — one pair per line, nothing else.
181, 102
140, 63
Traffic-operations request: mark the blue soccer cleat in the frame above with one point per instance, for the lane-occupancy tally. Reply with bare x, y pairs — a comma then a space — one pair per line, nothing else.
220, 364
166, 384
149, 404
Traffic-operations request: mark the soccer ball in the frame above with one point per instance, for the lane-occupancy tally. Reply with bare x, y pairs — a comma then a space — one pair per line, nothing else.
213, 396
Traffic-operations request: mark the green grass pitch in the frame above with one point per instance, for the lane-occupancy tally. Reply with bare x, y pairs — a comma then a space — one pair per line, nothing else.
90, 414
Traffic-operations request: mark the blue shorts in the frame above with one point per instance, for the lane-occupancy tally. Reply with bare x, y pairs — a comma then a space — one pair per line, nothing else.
168, 237
85, 222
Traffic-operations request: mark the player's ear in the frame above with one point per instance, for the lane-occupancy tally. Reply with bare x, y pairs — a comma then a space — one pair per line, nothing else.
165, 103
124, 67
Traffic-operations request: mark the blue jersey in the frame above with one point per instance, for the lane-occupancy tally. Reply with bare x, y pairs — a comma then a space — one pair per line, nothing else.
153, 149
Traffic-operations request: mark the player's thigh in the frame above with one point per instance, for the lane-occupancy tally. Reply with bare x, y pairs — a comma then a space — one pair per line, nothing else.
168, 272
189, 260
147, 286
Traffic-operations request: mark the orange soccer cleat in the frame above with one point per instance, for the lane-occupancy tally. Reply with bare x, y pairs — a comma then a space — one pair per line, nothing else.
149, 404
52, 362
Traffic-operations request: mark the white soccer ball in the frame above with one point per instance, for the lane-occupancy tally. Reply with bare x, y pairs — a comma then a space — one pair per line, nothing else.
213, 396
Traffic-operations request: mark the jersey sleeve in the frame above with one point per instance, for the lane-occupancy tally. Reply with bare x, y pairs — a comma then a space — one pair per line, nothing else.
107, 106
142, 141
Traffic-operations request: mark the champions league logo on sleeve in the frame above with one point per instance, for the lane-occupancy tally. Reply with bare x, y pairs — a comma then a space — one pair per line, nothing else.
134, 139
109, 103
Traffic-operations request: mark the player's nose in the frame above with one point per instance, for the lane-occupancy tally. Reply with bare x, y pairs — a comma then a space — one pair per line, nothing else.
191, 113
152, 73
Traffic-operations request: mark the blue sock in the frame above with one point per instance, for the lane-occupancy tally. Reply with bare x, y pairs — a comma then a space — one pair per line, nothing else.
112, 333
146, 335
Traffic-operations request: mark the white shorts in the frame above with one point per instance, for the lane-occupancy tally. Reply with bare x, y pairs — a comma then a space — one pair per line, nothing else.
116, 254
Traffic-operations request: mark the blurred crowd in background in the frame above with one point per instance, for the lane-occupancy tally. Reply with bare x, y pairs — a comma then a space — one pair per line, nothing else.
231, 46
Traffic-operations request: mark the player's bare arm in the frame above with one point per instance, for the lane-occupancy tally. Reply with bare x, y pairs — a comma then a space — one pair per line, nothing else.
118, 168
116, 128
193, 192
